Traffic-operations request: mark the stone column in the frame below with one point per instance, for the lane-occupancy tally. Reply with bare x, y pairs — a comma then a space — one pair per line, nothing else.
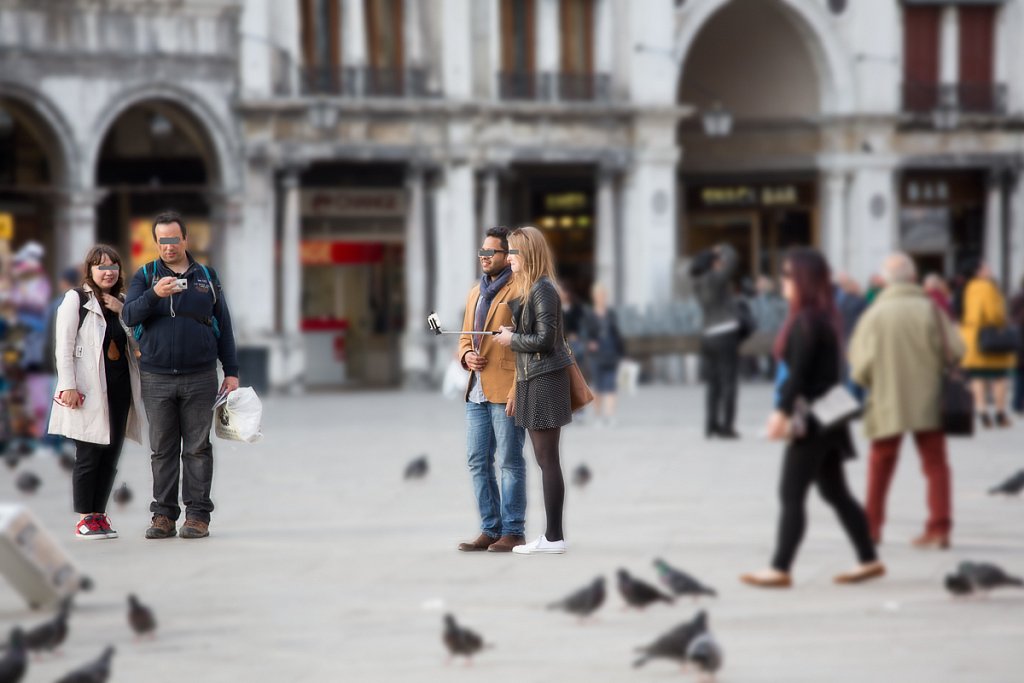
834, 210
489, 216
353, 42
455, 245
993, 242
873, 214
607, 235
76, 226
291, 281
415, 358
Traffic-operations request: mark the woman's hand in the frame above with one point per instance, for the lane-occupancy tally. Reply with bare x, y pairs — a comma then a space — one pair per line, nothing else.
778, 426
71, 398
113, 303
504, 336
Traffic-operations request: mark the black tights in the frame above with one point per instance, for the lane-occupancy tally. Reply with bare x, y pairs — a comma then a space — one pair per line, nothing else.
545, 447
807, 462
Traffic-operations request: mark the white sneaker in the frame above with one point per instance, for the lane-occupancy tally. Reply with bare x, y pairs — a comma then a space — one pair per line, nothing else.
542, 546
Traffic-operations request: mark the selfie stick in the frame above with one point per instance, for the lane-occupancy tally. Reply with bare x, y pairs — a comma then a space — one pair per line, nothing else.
435, 325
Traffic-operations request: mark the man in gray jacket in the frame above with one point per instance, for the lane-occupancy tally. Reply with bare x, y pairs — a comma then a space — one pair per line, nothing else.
712, 272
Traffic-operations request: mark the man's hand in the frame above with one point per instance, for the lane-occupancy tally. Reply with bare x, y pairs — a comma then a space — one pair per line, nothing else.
166, 286
230, 384
113, 303
475, 362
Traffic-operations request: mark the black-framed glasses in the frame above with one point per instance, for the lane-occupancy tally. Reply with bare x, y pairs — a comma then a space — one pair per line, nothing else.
489, 253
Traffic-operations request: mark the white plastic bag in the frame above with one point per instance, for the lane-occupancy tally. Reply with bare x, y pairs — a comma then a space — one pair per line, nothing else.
629, 376
456, 381
239, 416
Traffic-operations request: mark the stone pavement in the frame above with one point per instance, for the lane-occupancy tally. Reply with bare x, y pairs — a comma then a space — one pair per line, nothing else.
325, 566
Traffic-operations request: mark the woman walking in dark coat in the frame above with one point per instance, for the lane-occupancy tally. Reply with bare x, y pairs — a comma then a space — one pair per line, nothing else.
809, 352
541, 399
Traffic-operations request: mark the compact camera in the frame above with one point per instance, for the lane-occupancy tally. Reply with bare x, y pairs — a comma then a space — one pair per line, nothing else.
181, 284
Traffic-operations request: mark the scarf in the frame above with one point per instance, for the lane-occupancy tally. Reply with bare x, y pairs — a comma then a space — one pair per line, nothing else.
488, 290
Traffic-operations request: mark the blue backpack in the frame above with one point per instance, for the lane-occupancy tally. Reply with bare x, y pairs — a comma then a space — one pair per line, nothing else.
211, 321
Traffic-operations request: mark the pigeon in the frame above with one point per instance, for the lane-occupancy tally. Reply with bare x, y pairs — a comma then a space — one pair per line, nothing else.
638, 593
584, 602
706, 653
681, 583
123, 495
1010, 487
418, 468
984, 576
675, 643
141, 618
11, 457
49, 635
958, 585
460, 641
14, 663
97, 671
581, 476
66, 459
28, 482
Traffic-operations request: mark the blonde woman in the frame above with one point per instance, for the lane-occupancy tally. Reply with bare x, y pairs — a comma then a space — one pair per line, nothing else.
540, 397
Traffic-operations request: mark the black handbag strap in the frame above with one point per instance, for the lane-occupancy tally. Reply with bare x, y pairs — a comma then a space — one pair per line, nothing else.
947, 358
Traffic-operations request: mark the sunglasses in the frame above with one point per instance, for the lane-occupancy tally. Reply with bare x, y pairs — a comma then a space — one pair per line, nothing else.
114, 267
489, 253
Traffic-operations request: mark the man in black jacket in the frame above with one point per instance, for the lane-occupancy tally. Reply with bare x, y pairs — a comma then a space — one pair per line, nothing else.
183, 325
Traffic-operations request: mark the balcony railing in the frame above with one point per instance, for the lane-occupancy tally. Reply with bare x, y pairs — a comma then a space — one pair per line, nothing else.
972, 98
548, 86
365, 81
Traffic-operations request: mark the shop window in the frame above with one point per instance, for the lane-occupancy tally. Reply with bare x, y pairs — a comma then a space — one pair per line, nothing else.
321, 45
384, 47
921, 57
576, 80
518, 80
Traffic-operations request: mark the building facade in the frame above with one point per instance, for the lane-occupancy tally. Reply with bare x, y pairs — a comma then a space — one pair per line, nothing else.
340, 159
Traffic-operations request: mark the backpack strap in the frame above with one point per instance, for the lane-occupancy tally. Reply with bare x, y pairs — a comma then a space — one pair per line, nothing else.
83, 299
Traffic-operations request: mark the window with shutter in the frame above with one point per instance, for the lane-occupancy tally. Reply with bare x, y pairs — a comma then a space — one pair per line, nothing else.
518, 77
976, 92
921, 58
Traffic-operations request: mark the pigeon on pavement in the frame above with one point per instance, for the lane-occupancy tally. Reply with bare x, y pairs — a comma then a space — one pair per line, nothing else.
681, 583
706, 653
49, 635
581, 476
66, 459
638, 593
418, 468
584, 602
985, 576
97, 671
1011, 487
459, 640
14, 663
674, 644
28, 482
123, 495
958, 585
141, 618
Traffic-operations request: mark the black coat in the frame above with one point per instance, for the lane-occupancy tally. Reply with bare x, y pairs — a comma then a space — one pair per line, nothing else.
539, 339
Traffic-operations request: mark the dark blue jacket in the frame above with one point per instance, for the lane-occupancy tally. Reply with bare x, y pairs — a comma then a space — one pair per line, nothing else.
183, 342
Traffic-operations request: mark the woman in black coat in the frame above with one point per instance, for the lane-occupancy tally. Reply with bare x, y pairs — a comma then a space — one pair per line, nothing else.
541, 400
809, 352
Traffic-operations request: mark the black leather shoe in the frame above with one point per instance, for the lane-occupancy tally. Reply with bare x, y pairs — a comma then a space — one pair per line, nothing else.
728, 434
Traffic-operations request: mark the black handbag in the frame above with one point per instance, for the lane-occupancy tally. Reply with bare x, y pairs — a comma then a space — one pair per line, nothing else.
994, 339
956, 400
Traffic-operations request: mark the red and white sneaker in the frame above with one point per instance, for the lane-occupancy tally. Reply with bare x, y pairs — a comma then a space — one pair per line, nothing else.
104, 522
90, 528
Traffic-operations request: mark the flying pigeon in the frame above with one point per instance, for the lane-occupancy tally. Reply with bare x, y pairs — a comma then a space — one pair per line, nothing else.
681, 583
706, 653
123, 495
461, 641
14, 663
674, 644
584, 602
49, 635
418, 468
97, 671
28, 482
1010, 487
958, 585
141, 618
581, 476
638, 593
985, 576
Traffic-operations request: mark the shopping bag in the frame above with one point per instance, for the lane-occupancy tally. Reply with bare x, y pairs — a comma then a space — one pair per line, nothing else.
238, 416
456, 381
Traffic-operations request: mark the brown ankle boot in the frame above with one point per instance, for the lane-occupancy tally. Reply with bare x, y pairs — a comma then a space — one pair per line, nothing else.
506, 543
479, 545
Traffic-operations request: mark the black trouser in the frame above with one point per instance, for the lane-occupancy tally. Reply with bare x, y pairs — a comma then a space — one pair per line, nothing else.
721, 354
96, 464
810, 461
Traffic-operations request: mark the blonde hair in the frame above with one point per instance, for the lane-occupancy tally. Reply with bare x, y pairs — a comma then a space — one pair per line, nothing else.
534, 258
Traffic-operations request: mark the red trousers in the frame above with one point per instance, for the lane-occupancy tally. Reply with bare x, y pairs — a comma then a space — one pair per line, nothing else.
932, 448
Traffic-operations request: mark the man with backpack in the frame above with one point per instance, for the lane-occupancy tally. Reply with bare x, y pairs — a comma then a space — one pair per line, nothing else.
177, 309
